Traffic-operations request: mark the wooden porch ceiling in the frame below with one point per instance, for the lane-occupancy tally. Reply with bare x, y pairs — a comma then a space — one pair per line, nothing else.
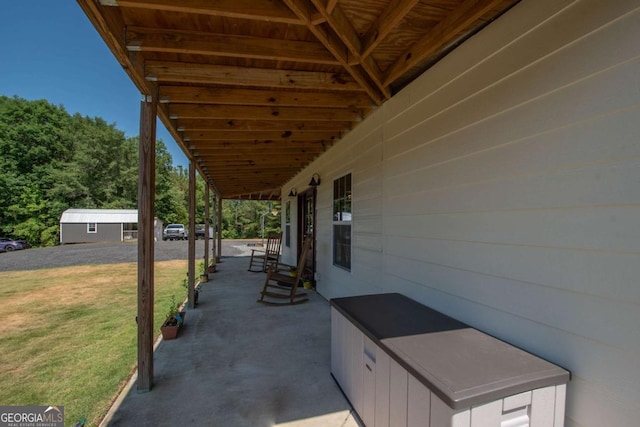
255, 90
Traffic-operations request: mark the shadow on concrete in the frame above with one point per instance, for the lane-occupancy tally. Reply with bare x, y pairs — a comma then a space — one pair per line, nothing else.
240, 363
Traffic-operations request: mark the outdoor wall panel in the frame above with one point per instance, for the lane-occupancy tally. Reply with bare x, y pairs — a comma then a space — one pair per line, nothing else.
522, 263
594, 228
509, 194
77, 233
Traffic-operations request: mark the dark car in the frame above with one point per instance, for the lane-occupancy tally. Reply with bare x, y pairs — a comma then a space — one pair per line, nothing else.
200, 231
10, 245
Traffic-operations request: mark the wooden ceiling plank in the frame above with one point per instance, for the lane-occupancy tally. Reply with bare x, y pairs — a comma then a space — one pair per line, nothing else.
214, 157
226, 45
256, 149
260, 125
269, 11
260, 135
385, 23
263, 97
229, 112
264, 165
181, 72
446, 30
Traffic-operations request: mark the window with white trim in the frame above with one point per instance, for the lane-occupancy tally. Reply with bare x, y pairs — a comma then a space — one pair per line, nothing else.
92, 227
287, 224
342, 222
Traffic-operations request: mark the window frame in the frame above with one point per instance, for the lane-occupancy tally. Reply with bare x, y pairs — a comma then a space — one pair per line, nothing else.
89, 227
341, 201
287, 224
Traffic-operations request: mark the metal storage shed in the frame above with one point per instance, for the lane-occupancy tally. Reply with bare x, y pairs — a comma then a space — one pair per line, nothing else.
98, 225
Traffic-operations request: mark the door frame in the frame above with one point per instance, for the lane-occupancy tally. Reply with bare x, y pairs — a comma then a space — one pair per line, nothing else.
308, 195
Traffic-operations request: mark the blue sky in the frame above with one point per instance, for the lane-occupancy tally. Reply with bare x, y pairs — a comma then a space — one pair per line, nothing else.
49, 50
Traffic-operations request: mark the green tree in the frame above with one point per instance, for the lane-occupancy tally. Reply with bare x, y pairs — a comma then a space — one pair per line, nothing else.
52, 161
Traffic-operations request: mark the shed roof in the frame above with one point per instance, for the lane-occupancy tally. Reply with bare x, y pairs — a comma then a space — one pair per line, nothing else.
101, 216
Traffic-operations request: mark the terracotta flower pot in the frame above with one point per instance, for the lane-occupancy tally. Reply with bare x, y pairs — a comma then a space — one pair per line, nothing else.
171, 326
169, 332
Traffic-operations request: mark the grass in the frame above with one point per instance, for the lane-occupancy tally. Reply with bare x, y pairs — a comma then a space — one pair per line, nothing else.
68, 335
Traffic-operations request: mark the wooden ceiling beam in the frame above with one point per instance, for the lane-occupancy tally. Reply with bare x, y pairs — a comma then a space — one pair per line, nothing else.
230, 112
264, 164
341, 25
222, 164
260, 125
260, 135
255, 149
264, 97
182, 72
386, 22
441, 35
257, 10
251, 146
226, 45
213, 158
304, 11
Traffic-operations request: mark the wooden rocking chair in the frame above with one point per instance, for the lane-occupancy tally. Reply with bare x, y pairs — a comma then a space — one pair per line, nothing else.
270, 254
284, 286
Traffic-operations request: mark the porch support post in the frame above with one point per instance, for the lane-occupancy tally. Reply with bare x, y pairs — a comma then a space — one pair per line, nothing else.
207, 199
146, 199
219, 253
192, 234
214, 221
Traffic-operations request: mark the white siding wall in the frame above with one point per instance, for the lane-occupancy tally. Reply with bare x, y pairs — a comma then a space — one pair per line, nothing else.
503, 188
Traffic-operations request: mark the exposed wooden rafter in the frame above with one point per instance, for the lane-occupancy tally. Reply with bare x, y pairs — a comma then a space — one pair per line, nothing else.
254, 90
226, 45
270, 11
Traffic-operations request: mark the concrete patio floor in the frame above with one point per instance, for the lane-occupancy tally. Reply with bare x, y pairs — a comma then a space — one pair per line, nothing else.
240, 363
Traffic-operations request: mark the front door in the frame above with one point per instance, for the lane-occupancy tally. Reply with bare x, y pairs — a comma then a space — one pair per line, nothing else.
306, 227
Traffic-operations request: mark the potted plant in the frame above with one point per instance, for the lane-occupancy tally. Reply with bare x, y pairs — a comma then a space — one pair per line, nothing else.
204, 277
212, 266
173, 321
196, 290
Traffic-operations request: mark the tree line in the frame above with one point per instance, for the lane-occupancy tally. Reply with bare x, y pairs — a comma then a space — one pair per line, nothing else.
51, 161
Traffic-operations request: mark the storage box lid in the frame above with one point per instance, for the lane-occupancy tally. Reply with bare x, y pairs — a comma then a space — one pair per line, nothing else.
462, 365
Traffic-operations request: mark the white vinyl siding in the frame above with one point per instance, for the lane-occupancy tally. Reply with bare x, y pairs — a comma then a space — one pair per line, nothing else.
502, 187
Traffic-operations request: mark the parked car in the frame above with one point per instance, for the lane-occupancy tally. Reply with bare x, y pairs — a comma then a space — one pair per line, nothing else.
174, 232
201, 231
10, 245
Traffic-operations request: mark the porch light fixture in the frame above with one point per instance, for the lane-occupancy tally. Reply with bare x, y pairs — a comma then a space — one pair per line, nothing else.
315, 180
293, 192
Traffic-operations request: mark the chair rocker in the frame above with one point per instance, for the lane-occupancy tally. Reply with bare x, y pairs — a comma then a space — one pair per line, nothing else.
270, 254
283, 286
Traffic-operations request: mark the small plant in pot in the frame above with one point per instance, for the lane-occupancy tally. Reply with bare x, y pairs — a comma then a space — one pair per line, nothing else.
173, 322
196, 290
212, 266
204, 277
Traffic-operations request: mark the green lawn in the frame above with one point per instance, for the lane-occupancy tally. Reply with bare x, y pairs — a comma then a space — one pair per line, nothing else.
68, 335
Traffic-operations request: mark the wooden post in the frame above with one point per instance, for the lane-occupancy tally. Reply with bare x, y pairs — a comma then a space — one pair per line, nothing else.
206, 226
146, 199
214, 221
192, 234
219, 253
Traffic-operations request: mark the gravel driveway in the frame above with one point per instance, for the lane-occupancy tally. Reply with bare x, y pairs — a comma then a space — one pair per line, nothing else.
108, 253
